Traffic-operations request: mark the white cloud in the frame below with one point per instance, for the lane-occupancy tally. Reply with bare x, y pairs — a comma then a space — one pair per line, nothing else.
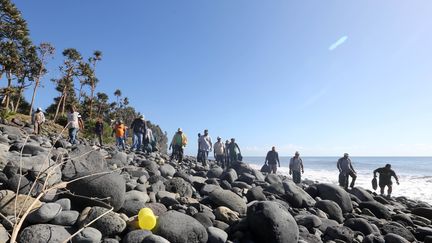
339, 42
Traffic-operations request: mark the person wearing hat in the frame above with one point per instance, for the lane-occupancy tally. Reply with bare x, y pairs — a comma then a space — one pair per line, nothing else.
296, 167
273, 160
346, 170
38, 120
385, 174
178, 142
206, 146
139, 129
219, 152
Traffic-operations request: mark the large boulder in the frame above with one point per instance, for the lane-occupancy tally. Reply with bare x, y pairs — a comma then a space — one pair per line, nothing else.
423, 211
230, 175
181, 228
337, 194
308, 221
45, 213
39, 166
398, 229
296, 196
256, 194
331, 208
136, 236
216, 235
270, 222
167, 170
180, 186
88, 235
341, 233
109, 224
27, 149
359, 224
83, 160
394, 238
228, 199
7, 203
377, 209
361, 194
44, 233
109, 188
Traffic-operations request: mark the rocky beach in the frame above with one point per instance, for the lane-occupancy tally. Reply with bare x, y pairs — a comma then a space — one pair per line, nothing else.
52, 191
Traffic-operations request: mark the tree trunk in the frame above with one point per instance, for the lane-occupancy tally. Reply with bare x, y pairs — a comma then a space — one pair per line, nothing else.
21, 89
58, 107
34, 95
91, 99
8, 89
64, 103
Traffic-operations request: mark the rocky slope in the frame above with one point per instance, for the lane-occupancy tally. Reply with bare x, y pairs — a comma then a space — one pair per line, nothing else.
193, 203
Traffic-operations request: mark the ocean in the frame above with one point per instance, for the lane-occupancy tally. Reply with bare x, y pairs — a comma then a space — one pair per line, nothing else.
415, 173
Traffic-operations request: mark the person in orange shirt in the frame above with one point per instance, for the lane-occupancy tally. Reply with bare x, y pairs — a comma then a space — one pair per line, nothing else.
120, 130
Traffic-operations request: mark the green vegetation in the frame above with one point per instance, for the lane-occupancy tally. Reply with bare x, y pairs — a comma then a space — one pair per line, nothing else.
23, 66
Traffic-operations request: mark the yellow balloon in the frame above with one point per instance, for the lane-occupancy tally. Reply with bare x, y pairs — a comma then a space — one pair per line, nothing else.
146, 219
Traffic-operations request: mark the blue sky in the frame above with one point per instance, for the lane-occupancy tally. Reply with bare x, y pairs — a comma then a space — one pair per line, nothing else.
321, 77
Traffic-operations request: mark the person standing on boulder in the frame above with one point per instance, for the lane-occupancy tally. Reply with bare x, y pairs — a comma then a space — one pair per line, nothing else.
345, 171
296, 167
177, 143
272, 158
199, 154
385, 174
38, 120
219, 152
206, 146
139, 128
234, 151
74, 124
227, 155
99, 130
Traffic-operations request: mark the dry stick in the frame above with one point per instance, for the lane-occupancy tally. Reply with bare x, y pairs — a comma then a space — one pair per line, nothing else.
38, 175
87, 225
56, 186
19, 180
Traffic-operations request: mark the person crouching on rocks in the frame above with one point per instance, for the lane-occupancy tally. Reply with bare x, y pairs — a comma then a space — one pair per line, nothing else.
345, 171
385, 174
38, 120
272, 158
296, 167
178, 142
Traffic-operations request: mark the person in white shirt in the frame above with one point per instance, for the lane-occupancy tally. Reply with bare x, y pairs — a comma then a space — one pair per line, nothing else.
219, 152
206, 146
74, 124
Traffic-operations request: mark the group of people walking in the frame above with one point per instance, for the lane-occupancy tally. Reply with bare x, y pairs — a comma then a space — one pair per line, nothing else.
224, 153
344, 165
142, 135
